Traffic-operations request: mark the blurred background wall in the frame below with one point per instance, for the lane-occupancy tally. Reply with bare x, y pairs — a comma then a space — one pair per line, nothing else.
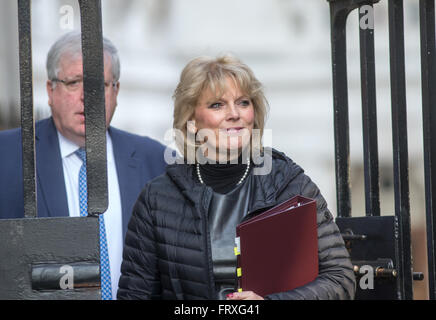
286, 43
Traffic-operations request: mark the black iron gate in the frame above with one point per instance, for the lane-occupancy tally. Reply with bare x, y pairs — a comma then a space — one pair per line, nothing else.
58, 258
384, 242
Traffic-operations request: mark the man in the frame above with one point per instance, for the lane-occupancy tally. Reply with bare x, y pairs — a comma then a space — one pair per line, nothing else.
132, 160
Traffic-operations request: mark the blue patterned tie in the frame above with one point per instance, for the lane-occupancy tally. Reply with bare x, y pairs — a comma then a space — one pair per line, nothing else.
105, 273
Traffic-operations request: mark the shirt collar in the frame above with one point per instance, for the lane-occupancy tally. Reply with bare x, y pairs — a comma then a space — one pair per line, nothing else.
67, 147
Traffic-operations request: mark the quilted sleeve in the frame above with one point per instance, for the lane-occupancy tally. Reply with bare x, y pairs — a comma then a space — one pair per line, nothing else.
139, 276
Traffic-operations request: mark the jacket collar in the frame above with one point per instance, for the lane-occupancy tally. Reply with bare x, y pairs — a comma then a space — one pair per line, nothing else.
49, 169
182, 175
268, 186
127, 165
51, 176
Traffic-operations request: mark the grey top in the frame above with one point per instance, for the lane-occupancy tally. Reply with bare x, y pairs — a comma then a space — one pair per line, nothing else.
225, 213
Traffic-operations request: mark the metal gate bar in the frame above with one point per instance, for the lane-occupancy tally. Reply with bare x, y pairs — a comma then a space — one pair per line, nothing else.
32, 262
399, 140
27, 121
369, 115
94, 100
338, 13
428, 74
392, 244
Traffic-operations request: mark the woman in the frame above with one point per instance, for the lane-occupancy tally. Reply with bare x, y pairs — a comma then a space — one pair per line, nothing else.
180, 239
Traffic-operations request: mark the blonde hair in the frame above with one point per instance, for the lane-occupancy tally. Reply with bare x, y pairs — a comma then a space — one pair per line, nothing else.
205, 73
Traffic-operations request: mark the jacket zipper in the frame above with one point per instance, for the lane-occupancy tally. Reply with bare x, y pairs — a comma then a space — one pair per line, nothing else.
208, 194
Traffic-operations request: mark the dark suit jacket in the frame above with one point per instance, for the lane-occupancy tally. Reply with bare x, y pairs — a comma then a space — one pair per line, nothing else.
138, 160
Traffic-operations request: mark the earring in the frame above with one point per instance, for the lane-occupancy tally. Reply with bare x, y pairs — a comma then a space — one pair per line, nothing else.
190, 126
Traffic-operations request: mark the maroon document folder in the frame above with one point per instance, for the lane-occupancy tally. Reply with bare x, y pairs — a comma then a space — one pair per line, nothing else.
277, 250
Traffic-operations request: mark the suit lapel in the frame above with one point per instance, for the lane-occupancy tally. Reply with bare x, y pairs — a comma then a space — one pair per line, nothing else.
128, 173
52, 196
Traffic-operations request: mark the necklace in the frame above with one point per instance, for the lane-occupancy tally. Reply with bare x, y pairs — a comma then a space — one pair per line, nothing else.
240, 180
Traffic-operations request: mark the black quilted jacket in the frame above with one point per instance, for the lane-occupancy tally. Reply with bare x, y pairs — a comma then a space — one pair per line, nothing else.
167, 252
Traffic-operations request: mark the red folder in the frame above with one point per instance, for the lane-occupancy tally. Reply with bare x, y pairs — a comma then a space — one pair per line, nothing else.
277, 250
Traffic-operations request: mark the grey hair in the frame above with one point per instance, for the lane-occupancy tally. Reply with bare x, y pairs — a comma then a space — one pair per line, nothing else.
71, 43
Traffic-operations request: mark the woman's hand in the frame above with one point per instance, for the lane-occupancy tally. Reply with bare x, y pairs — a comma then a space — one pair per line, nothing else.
244, 295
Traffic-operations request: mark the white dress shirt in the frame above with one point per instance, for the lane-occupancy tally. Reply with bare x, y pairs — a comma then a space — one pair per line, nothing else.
112, 217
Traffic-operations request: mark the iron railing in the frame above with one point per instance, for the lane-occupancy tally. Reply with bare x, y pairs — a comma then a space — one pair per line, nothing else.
397, 244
